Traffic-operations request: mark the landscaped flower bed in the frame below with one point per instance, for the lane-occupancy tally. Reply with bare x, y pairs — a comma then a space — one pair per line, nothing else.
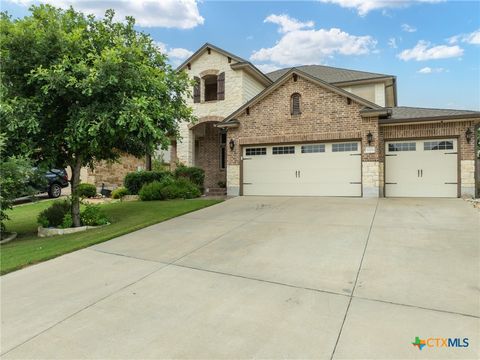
57, 219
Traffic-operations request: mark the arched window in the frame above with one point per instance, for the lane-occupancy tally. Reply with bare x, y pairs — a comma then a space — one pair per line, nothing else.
295, 104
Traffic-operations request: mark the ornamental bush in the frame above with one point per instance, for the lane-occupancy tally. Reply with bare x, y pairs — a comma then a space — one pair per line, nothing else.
92, 215
195, 174
134, 181
169, 189
54, 215
86, 190
119, 193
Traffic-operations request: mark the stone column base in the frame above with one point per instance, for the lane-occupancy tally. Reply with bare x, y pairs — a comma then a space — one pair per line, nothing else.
372, 178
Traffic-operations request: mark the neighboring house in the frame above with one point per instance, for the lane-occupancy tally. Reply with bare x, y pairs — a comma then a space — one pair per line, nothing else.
319, 131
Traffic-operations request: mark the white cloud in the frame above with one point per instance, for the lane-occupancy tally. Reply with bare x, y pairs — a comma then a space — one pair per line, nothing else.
183, 14
429, 70
363, 7
266, 68
392, 42
408, 28
471, 38
313, 47
423, 51
287, 23
175, 55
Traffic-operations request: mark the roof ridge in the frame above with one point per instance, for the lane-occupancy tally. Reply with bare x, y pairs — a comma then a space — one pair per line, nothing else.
329, 67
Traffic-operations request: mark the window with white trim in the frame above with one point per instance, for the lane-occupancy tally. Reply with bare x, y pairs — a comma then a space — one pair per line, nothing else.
313, 148
339, 147
406, 146
438, 145
281, 150
255, 151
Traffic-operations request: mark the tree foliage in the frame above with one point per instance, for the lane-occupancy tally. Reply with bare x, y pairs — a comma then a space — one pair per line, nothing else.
76, 90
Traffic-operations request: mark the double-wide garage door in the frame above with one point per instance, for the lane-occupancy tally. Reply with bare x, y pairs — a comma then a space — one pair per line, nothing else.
421, 168
324, 169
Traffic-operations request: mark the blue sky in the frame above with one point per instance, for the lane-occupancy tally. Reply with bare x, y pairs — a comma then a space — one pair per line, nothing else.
432, 46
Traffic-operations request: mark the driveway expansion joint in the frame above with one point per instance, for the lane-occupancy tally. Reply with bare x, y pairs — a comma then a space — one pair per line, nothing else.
356, 280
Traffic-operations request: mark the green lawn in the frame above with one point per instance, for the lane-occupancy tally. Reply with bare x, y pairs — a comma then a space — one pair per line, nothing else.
125, 217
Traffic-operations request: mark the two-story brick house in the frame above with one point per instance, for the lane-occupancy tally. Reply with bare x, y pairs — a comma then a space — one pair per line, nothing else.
314, 131
320, 131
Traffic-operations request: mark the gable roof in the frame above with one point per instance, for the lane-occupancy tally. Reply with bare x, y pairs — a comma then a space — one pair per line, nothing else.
283, 79
329, 74
204, 47
240, 63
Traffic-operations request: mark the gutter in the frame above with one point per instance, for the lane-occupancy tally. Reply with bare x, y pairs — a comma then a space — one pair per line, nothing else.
449, 118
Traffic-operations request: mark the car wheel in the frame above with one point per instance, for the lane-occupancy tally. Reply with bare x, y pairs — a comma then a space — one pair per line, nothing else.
54, 191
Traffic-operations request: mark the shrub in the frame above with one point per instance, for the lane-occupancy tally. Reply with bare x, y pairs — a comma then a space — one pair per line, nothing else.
182, 188
169, 189
86, 190
54, 215
151, 191
194, 174
93, 215
67, 221
119, 193
134, 181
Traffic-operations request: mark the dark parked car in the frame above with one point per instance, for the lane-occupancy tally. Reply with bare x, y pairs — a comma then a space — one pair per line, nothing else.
56, 180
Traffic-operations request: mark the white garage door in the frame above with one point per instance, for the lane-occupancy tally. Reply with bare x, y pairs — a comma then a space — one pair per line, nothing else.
421, 168
332, 169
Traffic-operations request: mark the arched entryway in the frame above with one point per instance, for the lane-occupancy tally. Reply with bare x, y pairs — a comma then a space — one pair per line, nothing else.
209, 152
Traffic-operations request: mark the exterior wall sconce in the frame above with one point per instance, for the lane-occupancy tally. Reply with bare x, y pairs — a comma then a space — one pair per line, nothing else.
369, 138
468, 135
231, 144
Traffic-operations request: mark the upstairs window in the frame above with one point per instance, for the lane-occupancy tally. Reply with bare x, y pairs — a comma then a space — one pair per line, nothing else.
214, 87
210, 83
295, 104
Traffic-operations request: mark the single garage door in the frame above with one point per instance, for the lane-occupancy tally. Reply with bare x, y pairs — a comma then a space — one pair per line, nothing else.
421, 168
326, 169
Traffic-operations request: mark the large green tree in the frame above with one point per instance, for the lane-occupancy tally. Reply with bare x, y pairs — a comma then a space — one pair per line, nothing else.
76, 90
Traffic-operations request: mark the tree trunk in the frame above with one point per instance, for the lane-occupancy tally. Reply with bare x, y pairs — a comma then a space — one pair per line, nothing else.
148, 162
75, 180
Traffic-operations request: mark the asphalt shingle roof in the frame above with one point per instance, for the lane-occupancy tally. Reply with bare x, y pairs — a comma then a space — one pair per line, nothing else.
405, 112
329, 74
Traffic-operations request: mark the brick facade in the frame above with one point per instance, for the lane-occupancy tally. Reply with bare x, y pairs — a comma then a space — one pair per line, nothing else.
207, 153
328, 116
325, 116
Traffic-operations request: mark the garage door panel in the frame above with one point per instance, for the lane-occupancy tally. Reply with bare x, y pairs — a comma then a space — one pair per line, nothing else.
319, 172
421, 168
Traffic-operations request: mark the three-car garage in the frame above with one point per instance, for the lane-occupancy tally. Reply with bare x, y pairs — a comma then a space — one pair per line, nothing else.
413, 168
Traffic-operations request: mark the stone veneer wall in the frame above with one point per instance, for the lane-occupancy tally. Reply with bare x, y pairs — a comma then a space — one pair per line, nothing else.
213, 63
112, 174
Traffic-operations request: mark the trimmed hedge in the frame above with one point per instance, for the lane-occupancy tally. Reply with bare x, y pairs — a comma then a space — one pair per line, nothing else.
86, 190
169, 189
134, 181
192, 173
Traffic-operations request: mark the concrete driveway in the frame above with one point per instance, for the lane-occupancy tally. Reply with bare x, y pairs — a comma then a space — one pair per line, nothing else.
261, 277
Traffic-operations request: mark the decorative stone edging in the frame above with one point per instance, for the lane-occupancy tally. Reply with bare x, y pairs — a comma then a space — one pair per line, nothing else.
11, 237
47, 232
